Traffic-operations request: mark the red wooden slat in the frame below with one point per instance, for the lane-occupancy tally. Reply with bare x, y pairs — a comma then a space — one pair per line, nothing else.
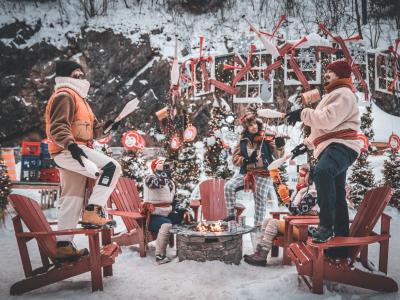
212, 199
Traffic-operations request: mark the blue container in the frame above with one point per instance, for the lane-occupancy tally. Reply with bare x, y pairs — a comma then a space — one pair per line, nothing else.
44, 149
29, 162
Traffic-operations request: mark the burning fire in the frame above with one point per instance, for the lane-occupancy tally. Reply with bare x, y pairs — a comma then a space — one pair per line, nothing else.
210, 227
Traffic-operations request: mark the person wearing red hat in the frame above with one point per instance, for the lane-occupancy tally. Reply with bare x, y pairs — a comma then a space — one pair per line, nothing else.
253, 154
160, 207
335, 123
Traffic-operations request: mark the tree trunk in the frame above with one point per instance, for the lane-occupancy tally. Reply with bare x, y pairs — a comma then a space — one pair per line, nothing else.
358, 18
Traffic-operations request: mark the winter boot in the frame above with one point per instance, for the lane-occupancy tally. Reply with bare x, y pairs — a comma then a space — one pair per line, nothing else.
67, 252
95, 217
258, 258
322, 234
162, 259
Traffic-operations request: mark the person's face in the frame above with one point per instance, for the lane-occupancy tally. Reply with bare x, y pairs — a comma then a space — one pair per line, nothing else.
160, 165
77, 74
329, 76
253, 128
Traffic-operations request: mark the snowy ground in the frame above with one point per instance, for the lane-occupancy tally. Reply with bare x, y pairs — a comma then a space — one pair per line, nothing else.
142, 278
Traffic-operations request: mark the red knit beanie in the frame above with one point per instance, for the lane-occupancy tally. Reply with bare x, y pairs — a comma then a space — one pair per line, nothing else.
154, 163
341, 68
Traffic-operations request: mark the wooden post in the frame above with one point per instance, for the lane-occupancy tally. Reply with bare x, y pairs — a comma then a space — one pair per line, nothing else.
106, 240
95, 262
23, 249
384, 246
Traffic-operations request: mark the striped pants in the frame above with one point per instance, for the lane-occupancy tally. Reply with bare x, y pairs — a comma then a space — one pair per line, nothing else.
264, 191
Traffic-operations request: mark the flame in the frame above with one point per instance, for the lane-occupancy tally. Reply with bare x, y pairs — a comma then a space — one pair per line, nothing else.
213, 227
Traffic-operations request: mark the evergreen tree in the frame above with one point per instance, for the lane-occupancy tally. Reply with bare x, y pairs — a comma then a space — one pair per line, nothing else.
362, 177
134, 167
391, 176
186, 172
5, 184
216, 154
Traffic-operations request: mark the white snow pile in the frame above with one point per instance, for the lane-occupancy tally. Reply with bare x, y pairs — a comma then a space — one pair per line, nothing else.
142, 278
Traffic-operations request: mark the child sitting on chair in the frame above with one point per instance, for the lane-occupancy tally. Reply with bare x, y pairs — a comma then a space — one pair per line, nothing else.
158, 205
303, 202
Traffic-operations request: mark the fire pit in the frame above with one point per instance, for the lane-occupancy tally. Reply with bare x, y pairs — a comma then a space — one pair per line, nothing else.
210, 241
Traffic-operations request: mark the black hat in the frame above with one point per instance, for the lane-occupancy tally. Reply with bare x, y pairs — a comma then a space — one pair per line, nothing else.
64, 68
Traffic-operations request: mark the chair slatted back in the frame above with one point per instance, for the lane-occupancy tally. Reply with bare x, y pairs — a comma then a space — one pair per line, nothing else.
126, 198
213, 204
32, 216
368, 214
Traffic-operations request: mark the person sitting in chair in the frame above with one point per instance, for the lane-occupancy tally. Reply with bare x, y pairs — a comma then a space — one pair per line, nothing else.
159, 206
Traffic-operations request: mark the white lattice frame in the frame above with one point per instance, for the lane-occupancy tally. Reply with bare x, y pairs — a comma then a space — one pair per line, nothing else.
247, 82
388, 80
287, 70
364, 63
198, 93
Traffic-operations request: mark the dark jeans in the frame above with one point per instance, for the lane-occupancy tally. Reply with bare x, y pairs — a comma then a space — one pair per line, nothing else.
330, 180
156, 221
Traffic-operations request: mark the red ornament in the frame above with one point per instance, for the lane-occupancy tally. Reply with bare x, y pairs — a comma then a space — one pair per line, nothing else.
105, 140
175, 142
189, 134
132, 140
394, 142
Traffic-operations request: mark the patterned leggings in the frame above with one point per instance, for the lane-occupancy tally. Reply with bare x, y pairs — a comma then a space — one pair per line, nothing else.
264, 191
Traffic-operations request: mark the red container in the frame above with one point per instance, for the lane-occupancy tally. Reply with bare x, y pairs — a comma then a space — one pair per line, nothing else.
30, 148
49, 175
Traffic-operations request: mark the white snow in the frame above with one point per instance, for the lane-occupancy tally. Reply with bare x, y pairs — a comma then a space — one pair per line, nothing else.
142, 278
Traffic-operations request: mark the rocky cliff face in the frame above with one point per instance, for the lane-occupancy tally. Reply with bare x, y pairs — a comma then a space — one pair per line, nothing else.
118, 70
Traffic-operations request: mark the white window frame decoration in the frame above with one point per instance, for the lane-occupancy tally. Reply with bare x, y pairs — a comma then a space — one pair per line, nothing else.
387, 80
290, 77
250, 85
361, 60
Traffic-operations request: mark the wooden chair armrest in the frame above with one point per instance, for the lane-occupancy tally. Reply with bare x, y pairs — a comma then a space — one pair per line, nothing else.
57, 232
304, 222
341, 241
195, 203
278, 213
128, 214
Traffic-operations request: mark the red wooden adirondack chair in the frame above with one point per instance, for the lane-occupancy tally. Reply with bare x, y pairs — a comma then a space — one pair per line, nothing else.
127, 201
212, 201
31, 214
284, 240
310, 260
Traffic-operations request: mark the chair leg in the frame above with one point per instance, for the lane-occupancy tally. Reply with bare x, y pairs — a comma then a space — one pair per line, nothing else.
275, 251
142, 244
106, 240
95, 262
318, 272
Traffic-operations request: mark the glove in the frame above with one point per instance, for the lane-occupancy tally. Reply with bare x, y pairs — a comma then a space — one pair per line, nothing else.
279, 142
113, 127
293, 116
299, 150
76, 153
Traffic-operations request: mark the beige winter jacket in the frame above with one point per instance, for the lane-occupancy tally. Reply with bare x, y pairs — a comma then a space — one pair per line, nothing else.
336, 111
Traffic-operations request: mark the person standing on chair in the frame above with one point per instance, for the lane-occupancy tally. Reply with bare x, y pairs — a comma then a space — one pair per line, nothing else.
335, 123
253, 154
70, 127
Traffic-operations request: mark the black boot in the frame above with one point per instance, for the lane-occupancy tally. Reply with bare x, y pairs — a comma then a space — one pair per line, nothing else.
322, 234
258, 258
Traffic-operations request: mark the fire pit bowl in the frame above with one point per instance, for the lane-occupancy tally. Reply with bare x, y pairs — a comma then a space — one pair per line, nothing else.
224, 245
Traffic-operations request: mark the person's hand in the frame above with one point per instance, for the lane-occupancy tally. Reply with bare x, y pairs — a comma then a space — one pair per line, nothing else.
280, 142
187, 218
76, 153
293, 116
299, 150
114, 125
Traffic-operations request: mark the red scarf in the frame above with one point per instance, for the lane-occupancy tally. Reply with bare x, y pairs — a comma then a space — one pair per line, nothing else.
338, 83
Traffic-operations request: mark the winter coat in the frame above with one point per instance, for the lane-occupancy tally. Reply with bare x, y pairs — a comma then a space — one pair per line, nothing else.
69, 119
159, 191
245, 148
304, 202
338, 110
